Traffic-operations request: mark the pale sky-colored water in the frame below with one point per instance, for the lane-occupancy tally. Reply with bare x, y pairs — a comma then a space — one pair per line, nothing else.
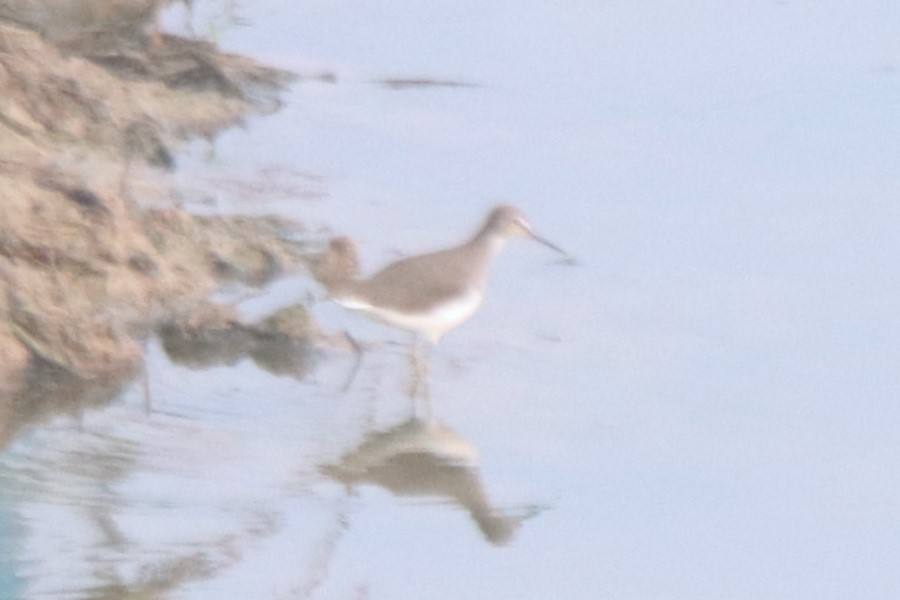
705, 407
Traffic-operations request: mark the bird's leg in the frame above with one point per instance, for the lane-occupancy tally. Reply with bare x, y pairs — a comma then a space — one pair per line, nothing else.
419, 360
422, 394
426, 383
415, 363
426, 365
357, 355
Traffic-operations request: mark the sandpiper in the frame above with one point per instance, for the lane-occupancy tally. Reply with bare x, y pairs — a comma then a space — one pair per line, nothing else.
426, 294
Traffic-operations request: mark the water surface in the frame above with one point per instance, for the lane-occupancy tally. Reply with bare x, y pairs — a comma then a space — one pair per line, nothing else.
706, 407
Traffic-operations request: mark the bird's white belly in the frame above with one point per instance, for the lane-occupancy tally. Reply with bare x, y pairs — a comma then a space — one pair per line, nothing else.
433, 323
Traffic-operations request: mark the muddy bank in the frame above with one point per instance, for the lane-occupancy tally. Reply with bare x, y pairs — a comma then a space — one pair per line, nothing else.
93, 251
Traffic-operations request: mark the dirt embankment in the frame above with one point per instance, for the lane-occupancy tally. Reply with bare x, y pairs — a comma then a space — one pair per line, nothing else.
90, 258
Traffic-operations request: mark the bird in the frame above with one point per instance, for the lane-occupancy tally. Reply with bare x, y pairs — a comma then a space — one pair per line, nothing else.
426, 294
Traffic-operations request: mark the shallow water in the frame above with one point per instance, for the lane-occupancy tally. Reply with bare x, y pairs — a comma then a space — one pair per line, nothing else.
705, 407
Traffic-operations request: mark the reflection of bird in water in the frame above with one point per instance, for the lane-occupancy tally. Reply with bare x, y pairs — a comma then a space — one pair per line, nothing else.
424, 458
426, 294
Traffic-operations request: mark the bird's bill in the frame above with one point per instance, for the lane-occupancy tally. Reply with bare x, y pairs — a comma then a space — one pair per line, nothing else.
547, 243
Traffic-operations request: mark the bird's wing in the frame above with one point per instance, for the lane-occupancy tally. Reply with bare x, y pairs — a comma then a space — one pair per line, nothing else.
422, 278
